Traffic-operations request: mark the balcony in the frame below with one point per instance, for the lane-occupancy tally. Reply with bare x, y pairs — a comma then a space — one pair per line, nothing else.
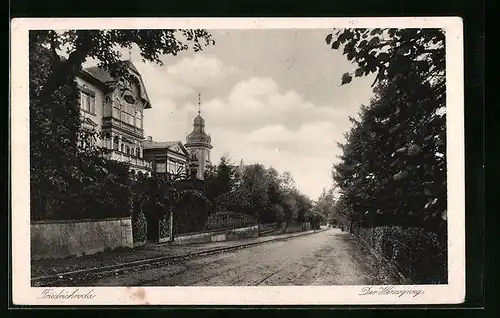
112, 122
134, 161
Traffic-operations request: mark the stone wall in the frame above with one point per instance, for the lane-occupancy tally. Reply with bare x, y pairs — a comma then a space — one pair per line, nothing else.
218, 236
59, 239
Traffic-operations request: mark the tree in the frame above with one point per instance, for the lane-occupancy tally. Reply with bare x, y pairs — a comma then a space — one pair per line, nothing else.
256, 184
303, 205
324, 206
287, 181
397, 148
393, 54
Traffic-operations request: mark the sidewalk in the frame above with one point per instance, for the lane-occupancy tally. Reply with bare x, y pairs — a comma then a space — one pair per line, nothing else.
42, 268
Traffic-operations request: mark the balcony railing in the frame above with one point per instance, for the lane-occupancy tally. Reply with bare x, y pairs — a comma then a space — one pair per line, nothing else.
114, 122
124, 157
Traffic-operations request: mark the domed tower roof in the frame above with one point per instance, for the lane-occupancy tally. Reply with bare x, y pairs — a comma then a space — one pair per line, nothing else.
198, 136
198, 120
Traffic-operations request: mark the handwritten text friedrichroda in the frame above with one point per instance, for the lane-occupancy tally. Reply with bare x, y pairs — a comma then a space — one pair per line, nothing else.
51, 293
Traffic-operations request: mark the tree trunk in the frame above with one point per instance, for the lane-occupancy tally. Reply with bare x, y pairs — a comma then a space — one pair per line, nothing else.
68, 68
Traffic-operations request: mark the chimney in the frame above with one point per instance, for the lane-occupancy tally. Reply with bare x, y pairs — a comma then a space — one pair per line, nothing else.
150, 138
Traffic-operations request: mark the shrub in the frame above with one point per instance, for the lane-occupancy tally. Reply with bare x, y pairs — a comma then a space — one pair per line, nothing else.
139, 227
277, 211
164, 227
419, 254
226, 220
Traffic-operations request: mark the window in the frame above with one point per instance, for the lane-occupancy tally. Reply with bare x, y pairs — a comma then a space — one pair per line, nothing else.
116, 112
115, 143
138, 119
107, 106
128, 114
87, 102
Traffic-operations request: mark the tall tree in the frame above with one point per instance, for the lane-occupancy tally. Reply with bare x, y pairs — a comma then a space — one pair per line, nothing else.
255, 182
220, 181
397, 149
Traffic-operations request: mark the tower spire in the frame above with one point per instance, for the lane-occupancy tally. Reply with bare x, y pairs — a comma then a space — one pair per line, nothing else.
199, 103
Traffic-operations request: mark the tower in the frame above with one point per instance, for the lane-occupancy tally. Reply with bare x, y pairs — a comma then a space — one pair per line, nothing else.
198, 144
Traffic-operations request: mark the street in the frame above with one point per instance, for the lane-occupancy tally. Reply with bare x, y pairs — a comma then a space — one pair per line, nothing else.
329, 257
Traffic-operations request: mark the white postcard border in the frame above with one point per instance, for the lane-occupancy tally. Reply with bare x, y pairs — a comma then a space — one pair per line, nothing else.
24, 294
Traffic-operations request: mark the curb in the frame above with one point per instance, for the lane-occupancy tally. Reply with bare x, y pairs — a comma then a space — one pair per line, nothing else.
139, 263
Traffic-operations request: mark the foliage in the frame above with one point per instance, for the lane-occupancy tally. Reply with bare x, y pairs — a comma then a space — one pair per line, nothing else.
392, 172
303, 206
277, 211
219, 181
256, 191
139, 227
397, 147
256, 185
392, 54
420, 255
190, 213
163, 192
229, 220
325, 207
164, 227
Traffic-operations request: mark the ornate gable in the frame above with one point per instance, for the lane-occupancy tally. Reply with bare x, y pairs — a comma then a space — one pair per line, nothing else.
105, 78
179, 147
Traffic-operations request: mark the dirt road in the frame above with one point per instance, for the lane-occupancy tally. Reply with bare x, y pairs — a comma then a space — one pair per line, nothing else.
327, 258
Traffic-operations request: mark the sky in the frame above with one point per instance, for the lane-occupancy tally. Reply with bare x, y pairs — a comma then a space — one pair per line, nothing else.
267, 96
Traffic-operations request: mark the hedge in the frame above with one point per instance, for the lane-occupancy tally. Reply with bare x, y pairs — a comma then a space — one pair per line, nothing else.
139, 227
419, 254
227, 220
164, 227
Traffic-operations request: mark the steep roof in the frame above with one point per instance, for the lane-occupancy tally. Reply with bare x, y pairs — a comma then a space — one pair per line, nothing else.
163, 145
100, 74
104, 77
159, 144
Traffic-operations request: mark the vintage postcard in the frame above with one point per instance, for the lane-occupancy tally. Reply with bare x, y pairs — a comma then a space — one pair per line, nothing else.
237, 161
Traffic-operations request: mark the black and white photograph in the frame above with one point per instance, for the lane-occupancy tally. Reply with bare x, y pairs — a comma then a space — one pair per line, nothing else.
319, 159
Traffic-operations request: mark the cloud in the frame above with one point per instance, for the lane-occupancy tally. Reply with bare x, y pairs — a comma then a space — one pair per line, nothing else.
201, 71
256, 102
258, 121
